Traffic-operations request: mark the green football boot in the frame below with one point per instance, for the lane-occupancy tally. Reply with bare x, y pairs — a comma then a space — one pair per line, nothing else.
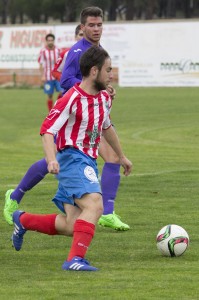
9, 207
113, 221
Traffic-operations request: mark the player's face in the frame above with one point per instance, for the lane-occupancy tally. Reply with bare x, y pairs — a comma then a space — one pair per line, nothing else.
79, 36
104, 76
93, 29
50, 43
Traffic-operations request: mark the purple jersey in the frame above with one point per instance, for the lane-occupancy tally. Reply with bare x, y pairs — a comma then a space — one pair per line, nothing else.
71, 73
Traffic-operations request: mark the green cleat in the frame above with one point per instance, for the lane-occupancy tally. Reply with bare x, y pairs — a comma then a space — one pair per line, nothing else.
9, 207
113, 221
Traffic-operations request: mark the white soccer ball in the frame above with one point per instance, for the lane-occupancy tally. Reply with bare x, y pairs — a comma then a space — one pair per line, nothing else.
172, 240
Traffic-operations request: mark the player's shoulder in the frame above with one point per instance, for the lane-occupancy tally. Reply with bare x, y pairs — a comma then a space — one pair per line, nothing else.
77, 47
73, 93
80, 46
42, 49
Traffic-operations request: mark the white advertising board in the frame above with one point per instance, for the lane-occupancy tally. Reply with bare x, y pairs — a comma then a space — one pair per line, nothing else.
162, 54
20, 46
147, 54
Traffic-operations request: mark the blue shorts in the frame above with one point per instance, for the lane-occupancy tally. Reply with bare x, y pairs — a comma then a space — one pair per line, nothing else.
51, 85
78, 175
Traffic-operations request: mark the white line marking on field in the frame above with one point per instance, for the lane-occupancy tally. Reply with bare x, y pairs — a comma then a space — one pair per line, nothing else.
13, 185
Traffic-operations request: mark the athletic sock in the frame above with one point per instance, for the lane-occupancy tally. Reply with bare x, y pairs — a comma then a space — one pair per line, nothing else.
83, 233
110, 180
41, 223
33, 176
50, 104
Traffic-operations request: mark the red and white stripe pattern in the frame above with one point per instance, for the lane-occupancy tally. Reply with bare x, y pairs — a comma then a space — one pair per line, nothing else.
47, 58
79, 118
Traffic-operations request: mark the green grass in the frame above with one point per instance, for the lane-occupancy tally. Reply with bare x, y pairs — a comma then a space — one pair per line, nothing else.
158, 128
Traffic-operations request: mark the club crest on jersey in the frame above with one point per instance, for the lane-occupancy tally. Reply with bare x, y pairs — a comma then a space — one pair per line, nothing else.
89, 172
93, 134
52, 114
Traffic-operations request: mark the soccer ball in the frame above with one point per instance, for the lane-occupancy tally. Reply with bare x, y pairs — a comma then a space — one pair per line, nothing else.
172, 240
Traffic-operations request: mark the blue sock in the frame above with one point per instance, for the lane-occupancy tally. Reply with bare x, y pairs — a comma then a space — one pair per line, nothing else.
110, 180
33, 176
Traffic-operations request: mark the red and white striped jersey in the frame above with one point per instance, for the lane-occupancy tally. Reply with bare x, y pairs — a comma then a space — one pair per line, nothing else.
58, 67
47, 58
78, 119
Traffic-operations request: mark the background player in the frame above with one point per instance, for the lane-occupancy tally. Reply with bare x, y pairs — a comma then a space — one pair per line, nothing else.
47, 58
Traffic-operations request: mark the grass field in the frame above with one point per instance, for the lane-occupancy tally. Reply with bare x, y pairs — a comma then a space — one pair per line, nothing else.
158, 128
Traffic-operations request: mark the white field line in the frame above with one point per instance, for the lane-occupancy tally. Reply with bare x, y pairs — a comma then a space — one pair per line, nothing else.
46, 182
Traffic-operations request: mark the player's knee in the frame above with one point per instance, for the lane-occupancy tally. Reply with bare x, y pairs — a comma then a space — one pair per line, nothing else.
99, 207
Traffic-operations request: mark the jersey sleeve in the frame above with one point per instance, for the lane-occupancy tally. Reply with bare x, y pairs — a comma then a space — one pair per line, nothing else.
57, 70
107, 123
58, 116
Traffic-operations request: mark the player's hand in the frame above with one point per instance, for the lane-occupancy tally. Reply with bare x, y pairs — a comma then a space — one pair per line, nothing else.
111, 91
53, 167
127, 165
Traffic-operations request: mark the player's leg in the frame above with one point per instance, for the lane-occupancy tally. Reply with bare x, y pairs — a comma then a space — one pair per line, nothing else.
110, 181
75, 177
91, 206
79, 185
51, 224
49, 90
33, 176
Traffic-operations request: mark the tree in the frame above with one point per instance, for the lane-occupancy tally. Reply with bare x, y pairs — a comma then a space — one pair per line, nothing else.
130, 9
4, 11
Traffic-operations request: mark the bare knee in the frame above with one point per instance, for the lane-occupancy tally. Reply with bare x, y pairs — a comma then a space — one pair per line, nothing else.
91, 206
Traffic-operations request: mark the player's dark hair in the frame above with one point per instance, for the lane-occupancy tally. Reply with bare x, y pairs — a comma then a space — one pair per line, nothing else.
50, 35
92, 11
94, 56
77, 29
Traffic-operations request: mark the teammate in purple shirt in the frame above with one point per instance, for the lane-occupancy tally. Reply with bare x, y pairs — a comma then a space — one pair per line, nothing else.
91, 20
71, 73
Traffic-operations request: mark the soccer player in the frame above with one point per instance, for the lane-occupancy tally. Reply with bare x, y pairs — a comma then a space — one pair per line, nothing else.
47, 58
78, 120
91, 19
57, 71
91, 24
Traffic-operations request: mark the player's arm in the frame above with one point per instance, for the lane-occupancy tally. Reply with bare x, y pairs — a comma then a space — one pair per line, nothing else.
52, 124
71, 72
111, 137
56, 74
41, 66
41, 69
49, 150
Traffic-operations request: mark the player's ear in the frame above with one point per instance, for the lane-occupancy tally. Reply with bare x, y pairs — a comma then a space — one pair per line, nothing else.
82, 26
94, 71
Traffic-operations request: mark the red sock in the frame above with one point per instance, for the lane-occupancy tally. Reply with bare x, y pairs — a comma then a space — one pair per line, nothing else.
50, 104
83, 233
41, 223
